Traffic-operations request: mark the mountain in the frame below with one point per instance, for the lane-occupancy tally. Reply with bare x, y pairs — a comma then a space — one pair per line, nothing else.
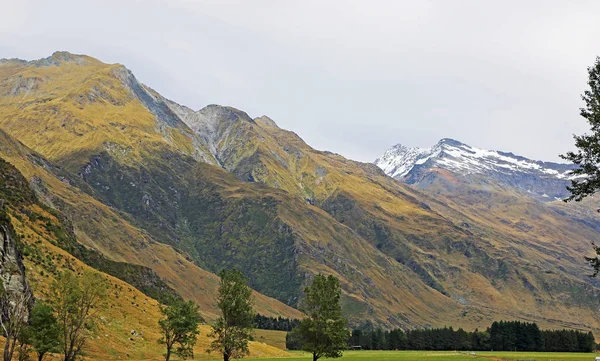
511, 200
543, 180
40, 245
186, 192
212, 216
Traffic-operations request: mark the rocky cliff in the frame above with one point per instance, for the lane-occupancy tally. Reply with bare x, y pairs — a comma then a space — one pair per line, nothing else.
13, 283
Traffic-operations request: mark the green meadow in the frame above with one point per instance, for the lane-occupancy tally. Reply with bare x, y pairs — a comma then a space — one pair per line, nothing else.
447, 355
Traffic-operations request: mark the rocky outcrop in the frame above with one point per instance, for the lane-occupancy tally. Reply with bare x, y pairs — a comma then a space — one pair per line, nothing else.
14, 191
12, 270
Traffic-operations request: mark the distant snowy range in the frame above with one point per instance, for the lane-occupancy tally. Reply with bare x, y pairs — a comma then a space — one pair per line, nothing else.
545, 180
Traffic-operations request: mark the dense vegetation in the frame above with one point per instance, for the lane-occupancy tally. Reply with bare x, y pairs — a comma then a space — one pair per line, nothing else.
186, 205
64, 324
275, 323
500, 336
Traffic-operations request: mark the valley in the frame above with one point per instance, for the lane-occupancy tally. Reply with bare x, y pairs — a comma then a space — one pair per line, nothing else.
159, 198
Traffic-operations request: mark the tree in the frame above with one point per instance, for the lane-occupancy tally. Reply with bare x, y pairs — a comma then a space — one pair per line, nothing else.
76, 301
587, 157
180, 327
233, 329
43, 332
324, 331
293, 340
14, 310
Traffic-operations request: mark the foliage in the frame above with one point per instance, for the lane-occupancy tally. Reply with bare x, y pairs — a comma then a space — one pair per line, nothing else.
588, 153
14, 188
324, 331
293, 340
43, 332
587, 157
179, 328
275, 323
143, 278
567, 341
500, 336
232, 330
14, 310
24, 350
76, 301
365, 355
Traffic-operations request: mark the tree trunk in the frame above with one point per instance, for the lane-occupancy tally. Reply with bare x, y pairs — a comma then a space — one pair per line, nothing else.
41, 356
225, 357
9, 348
7, 355
168, 357
315, 357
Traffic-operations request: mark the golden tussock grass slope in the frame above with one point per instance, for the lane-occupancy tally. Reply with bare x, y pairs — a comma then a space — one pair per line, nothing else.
546, 240
402, 256
85, 109
494, 269
128, 326
101, 228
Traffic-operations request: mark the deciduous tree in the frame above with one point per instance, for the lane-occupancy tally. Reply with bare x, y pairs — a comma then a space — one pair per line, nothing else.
43, 332
179, 328
324, 332
232, 330
14, 310
76, 301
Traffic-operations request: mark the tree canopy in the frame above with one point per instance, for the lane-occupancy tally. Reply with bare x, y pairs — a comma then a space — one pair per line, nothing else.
324, 331
179, 328
587, 156
43, 332
76, 301
232, 330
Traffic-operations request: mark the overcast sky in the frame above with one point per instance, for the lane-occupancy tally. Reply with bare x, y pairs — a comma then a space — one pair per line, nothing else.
352, 77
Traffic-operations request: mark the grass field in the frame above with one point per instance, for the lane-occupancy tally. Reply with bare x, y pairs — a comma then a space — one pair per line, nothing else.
447, 356
271, 338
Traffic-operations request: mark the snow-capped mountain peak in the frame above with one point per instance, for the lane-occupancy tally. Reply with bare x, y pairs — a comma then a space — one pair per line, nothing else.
452, 155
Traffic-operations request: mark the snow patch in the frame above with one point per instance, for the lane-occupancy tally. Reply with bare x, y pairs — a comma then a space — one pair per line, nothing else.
458, 157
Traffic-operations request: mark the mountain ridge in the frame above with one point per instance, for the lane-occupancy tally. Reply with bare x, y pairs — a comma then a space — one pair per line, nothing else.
225, 190
411, 164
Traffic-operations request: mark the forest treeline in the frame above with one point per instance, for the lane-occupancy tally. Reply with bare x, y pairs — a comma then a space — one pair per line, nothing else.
500, 336
275, 323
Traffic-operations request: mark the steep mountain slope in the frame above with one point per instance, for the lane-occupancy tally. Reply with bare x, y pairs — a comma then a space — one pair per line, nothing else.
91, 106
512, 201
477, 266
99, 227
227, 190
220, 221
128, 327
13, 281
